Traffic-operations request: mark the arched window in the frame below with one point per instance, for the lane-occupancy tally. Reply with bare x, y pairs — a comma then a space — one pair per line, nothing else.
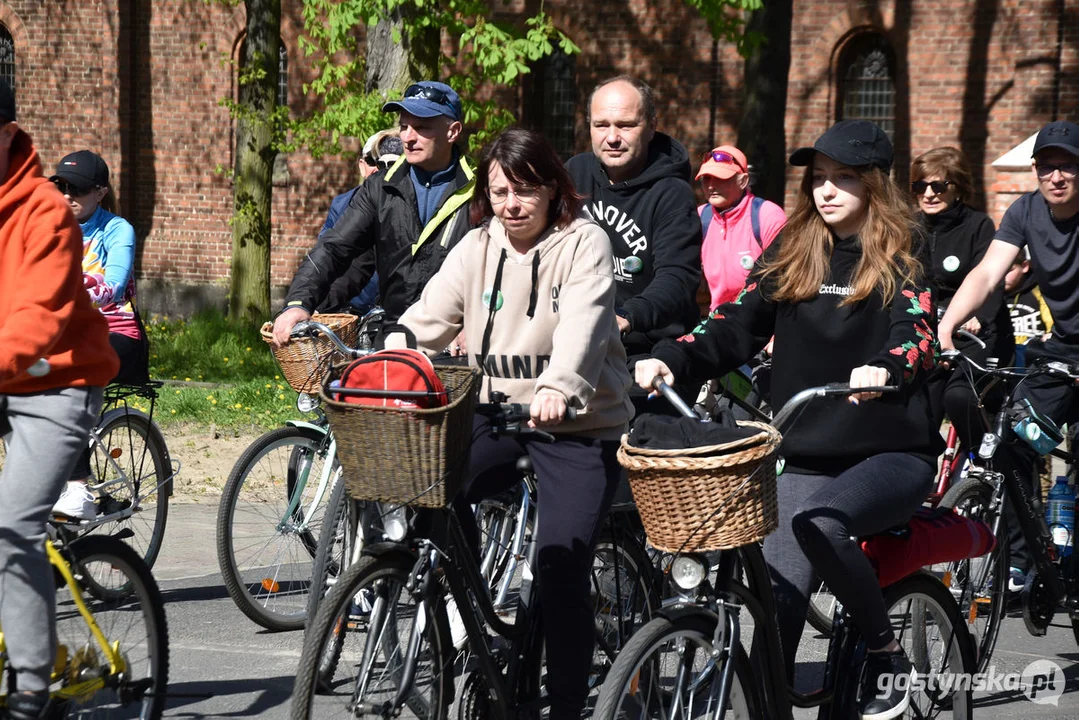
866, 75
556, 87
7, 57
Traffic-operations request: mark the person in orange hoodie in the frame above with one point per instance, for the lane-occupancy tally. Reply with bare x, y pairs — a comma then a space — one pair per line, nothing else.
55, 359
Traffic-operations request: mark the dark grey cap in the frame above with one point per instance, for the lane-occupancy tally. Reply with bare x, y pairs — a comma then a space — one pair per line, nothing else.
856, 143
1058, 134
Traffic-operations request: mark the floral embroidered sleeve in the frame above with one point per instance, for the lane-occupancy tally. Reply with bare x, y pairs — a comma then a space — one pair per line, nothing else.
730, 335
912, 347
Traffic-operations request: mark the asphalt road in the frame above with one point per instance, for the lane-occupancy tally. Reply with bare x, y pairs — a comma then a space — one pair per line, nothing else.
225, 666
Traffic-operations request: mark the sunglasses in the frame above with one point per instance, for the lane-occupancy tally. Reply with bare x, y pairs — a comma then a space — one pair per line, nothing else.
722, 157
429, 93
939, 186
70, 190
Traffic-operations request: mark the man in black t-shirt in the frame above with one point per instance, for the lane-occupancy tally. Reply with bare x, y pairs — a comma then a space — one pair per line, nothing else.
1046, 222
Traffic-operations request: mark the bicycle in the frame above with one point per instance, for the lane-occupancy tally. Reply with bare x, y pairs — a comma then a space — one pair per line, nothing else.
980, 583
112, 652
689, 661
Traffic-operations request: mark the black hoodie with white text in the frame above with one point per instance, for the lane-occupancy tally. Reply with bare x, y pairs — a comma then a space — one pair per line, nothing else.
655, 234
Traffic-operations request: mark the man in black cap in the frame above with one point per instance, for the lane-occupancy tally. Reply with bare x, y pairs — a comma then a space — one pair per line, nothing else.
1045, 222
411, 214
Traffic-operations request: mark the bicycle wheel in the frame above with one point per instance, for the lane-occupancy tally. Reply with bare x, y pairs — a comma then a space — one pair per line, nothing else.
928, 625
265, 541
372, 614
131, 461
624, 595
667, 670
822, 606
135, 619
979, 584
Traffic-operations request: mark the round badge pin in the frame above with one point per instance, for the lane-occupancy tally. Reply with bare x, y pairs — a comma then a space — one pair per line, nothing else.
632, 264
747, 262
951, 263
487, 299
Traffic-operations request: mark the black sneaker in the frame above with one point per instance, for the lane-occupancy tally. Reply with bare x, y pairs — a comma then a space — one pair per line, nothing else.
26, 705
885, 692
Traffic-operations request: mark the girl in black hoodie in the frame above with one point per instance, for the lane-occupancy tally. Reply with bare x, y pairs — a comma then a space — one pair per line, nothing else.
843, 292
958, 236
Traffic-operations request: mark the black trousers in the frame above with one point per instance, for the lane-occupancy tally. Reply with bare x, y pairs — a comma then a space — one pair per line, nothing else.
577, 477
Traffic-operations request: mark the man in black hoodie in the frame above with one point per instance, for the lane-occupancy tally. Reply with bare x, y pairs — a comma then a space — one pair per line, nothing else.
636, 186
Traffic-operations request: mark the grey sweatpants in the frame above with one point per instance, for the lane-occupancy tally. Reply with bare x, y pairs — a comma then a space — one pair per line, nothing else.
43, 435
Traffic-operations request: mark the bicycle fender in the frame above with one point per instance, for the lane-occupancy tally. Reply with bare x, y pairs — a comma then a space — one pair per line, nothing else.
382, 549
674, 613
154, 430
308, 425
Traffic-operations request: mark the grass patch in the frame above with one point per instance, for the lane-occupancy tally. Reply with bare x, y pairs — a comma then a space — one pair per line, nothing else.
208, 348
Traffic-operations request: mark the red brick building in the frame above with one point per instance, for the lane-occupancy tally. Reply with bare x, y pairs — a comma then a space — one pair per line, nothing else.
140, 81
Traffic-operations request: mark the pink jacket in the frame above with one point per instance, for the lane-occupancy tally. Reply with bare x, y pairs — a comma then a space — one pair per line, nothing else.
729, 249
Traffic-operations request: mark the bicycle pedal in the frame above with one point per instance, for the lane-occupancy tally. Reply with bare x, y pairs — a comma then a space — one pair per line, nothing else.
107, 505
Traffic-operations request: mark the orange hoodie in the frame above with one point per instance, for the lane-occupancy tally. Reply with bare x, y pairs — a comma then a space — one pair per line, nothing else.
44, 310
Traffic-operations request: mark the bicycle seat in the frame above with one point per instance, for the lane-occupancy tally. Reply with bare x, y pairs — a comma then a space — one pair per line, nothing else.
524, 465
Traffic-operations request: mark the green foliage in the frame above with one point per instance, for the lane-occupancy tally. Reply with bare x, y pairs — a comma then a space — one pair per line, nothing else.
247, 387
726, 21
490, 52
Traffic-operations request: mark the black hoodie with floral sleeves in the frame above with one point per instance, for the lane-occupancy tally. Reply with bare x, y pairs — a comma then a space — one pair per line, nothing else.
819, 341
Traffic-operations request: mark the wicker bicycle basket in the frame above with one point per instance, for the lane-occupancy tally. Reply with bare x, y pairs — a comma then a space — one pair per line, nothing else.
705, 498
306, 361
407, 456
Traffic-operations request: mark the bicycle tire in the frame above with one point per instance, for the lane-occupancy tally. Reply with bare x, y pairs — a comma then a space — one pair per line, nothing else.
102, 557
923, 595
330, 561
631, 671
384, 577
265, 558
133, 441
972, 497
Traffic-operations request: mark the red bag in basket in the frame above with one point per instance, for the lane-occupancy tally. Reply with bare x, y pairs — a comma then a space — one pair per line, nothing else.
931, 536
390, 371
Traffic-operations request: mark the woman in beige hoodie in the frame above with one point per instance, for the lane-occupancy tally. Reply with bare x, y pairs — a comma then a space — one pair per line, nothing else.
533, 289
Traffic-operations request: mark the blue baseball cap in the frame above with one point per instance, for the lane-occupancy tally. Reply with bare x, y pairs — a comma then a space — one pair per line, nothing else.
428, 99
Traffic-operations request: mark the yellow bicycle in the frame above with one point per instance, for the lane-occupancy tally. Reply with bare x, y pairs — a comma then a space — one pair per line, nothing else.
112, 654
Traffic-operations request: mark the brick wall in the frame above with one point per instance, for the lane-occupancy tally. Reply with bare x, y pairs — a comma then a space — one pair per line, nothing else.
139, 82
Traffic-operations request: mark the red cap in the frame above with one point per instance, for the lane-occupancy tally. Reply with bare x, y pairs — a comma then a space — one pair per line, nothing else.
724, 162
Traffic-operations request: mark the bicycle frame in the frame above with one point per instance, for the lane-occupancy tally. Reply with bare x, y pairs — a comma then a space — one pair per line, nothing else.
111, 651
325, 481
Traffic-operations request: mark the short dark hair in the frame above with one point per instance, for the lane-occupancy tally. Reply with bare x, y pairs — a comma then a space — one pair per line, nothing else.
950, 164
648, 97
527, 158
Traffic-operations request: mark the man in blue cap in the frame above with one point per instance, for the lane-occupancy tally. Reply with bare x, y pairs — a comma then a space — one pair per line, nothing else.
411, 215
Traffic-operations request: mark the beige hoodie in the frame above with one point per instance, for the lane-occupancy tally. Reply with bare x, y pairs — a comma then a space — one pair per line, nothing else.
570, 344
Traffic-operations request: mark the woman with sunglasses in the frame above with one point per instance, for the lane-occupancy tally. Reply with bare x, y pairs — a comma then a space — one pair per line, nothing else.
534, 288
108, 265
843, 292
958, 237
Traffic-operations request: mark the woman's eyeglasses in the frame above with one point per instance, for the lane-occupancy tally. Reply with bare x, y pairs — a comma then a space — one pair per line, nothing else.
525, 194
70, 190
722, 157
939, 186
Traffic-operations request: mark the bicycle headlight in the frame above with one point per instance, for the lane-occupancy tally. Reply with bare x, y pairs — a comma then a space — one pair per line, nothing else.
306, 403
395, 524
687, 572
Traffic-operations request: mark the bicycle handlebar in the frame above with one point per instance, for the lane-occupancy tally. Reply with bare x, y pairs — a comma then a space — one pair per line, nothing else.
781, 417
313, 327
971, 336
512, 419
1055, 368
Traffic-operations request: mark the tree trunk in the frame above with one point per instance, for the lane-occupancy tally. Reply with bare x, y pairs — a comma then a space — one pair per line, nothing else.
762, 131
393, 66
249, 292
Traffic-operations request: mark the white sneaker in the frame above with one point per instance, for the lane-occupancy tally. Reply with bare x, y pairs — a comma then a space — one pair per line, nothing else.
458, 633
76, 502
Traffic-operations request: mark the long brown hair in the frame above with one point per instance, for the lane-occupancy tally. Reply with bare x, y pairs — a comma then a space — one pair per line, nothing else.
801, 265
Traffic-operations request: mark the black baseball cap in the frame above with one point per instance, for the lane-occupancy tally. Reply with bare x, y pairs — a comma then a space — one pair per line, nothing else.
7, 102
1058, 134
856, 143
82, 169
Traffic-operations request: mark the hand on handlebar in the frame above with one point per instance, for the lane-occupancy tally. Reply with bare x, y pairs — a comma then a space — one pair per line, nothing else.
548, 409
972, 326
867, 376
284, 323
645, 371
